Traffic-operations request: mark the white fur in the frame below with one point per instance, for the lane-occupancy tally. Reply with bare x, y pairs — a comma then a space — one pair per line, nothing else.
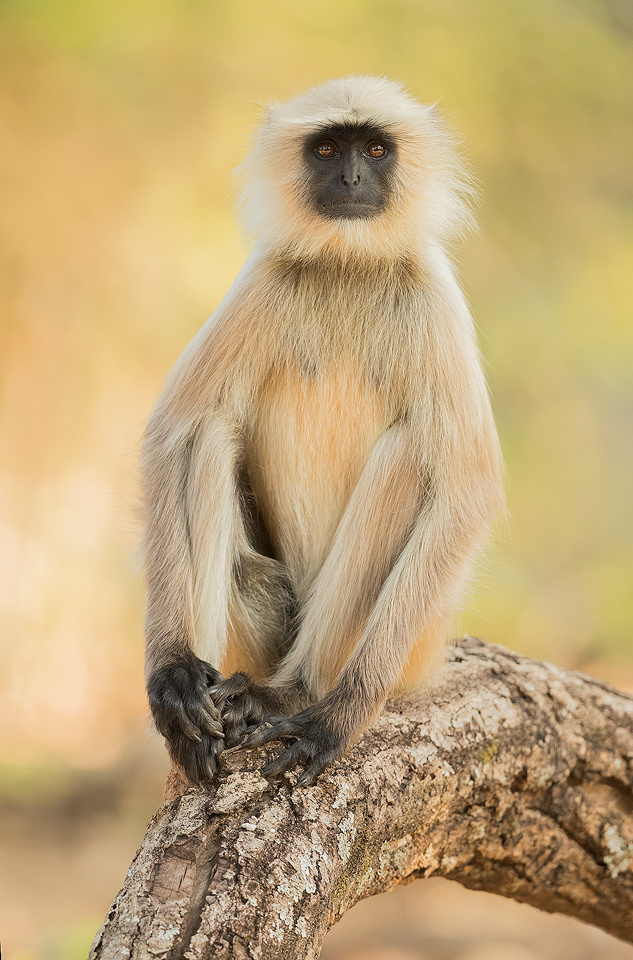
342, 376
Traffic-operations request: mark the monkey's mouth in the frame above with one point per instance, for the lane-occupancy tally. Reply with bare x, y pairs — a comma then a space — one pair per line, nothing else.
349, 209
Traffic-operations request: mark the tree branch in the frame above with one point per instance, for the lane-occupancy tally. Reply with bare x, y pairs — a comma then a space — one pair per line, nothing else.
510, 775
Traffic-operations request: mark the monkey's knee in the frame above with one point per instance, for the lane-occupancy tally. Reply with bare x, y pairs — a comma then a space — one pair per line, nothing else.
185, 714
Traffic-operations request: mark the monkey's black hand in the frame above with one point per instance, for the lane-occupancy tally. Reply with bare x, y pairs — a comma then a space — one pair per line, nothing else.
317, 744
243, 705
186, 715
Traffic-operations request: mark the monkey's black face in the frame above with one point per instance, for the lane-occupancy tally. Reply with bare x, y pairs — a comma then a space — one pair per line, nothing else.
350, 171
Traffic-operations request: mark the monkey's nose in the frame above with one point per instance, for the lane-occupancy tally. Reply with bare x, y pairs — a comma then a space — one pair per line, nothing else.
350, 175
350, 180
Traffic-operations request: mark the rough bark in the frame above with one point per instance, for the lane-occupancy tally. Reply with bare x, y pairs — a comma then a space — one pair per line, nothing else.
509, 775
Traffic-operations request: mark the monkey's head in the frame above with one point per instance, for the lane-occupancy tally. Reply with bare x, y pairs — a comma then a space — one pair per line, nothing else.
350, 170
354, 165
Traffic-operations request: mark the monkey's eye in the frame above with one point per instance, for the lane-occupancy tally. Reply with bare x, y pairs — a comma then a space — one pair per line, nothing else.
376, 150
326, 150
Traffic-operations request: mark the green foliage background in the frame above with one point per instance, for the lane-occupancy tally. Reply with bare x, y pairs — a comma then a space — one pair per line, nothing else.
120, 123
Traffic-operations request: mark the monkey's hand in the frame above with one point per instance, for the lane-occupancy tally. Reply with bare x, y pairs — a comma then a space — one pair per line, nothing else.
186, 715
244, 704
317, 744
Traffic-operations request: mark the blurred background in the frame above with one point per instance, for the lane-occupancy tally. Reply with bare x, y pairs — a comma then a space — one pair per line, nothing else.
120, 124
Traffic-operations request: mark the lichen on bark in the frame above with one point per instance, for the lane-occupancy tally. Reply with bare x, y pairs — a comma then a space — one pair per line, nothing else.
508, 775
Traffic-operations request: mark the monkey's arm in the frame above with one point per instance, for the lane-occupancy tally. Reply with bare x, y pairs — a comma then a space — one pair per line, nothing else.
397, 566
190, 506
193, 528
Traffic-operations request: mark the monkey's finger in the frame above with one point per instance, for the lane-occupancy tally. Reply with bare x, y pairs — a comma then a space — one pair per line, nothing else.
309, 776
253, 727
227, 686
218, 692
203, 713
201, 771
195, 725
210, 768
286, 760
212, 675
265, 734
262, 734
190, 729
199, 761
199, 697
222, 695
235, 738
211, 725
238, 729
210, 708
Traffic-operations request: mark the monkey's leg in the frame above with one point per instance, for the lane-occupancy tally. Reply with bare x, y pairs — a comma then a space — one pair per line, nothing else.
397, 566
262, 618
373, 531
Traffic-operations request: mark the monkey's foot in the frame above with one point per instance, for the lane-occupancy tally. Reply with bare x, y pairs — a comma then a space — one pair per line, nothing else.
244, 705
186, 715
317, 744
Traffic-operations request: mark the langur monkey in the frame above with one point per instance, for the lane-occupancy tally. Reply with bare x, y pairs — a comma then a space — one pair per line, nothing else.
322, 467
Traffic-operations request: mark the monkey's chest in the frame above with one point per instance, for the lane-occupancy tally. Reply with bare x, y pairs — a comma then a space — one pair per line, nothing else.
308, 444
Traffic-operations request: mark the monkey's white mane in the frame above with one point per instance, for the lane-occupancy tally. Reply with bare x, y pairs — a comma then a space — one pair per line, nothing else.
432, 190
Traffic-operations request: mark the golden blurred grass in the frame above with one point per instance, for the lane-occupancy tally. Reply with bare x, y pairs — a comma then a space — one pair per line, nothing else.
120, 124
